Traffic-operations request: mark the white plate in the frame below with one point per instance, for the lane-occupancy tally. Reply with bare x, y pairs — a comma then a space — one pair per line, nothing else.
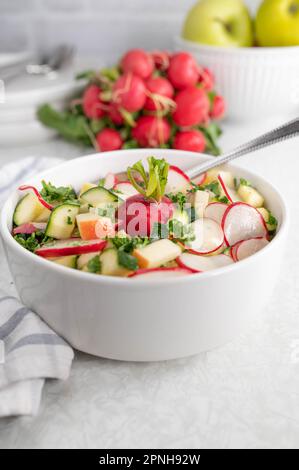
34, 90
13, 58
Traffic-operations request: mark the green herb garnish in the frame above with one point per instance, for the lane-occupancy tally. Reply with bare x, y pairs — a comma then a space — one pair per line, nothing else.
61, 194
154, 182
94, 265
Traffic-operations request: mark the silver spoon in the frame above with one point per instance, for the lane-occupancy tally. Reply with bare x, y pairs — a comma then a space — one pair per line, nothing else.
287, 131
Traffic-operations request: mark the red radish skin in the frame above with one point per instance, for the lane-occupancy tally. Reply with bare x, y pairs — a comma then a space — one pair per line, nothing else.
138, 215
92, 105
192, 107
215, 211
182, 70
247, 248
205, 263
206, 79
161, 59
126, 188
193, 141
151, 131
139, 62
109, 139
239, 234
129, 92
209, 237
141, 272
115, 115
39, 197
30, 228
200, 179
218, 108
158, 88
231, 194
80, 248
177, 180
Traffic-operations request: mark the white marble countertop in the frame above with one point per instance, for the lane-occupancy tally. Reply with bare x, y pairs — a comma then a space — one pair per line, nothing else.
245, 394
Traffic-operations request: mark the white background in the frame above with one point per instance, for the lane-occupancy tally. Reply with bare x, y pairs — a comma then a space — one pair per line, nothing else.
104, 27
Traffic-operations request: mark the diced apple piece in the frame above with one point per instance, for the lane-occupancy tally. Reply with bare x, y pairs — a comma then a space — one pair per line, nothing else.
266, 216
157, 253
110, 265
86, 186
92, 226
28, 209
251, 196
200, 200
43, 216
68, 261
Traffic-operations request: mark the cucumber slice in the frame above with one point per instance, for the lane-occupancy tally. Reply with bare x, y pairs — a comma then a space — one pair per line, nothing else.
62, 221
110, 265
98, 195
83, 259
68, 261
27, 210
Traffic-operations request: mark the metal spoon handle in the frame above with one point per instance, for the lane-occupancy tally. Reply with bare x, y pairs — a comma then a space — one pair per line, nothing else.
287, 131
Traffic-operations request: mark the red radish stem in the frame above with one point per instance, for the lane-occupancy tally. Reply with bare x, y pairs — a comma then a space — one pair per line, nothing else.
151, 131
161, 59
159, 92
39, 197
129, 92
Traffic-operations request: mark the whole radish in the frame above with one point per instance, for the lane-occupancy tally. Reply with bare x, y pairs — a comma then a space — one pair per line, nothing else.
115, 115
192, 107
159, 88
109, 139
139, 62
182, 70
151, 131
92, 105
129, 92
218, 108
139, 214
161, 59
206, 79
193, 141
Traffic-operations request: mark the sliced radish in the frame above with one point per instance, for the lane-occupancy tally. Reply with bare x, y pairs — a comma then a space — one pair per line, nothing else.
199, 180
160, 273
177, 181
230, 193
209, 237
36, 192
242, 222
233, 251
126, 188
110, 181
31, 227
246, 248
199, 264
72, 246
215, 211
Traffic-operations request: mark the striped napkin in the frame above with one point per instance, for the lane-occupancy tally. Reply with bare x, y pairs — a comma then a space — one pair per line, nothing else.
30, 351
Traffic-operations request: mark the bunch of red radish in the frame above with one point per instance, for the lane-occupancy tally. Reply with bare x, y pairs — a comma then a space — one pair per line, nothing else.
157, 100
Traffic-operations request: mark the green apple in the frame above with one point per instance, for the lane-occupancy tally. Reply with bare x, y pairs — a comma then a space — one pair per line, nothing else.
224, 23
277, 23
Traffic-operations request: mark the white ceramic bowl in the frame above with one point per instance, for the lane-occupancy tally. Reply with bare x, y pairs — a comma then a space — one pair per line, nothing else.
255, 81
135, 320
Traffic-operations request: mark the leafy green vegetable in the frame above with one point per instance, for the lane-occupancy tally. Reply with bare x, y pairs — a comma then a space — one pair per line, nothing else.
32, 241
86, 75
69, 220
181, 232
59, 194
71, 126
178, 198
244, 182
154, 182
130, 144
223, 199
272, 220
214, 187
126, 260
212, 133
94, 265
129, 244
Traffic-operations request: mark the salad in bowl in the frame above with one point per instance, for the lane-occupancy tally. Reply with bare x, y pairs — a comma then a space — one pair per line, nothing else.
150, 221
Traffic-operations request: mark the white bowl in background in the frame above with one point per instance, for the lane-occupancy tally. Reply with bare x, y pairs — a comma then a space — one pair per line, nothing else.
127, 319
255, 81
